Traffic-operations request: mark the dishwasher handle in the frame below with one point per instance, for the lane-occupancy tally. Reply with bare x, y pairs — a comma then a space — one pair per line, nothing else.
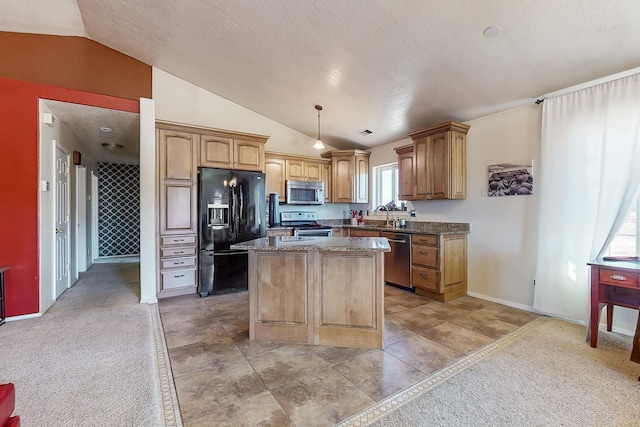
396, 241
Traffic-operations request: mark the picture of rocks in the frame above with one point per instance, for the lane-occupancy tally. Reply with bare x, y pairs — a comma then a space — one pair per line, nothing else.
511, 179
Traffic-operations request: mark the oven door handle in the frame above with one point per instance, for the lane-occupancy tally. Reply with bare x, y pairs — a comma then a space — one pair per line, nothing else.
396, 241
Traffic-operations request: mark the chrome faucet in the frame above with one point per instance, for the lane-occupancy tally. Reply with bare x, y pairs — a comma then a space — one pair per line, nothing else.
386, 209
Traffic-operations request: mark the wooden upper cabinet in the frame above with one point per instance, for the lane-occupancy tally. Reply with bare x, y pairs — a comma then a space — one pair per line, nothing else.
313, 171
275, 176
280, 167
350, 176
362, 179
177, 159
342, 189
248, 155
439, 163
177, 155
295, 169
231, 153
405, 172
303, 170
326, 179
216, 152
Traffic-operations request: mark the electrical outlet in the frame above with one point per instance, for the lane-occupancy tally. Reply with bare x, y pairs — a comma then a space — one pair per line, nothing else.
412, 213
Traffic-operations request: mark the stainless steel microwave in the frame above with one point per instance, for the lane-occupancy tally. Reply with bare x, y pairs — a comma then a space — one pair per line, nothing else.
304, 192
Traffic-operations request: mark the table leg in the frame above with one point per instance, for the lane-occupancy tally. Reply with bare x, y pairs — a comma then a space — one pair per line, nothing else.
609, 316
594, 320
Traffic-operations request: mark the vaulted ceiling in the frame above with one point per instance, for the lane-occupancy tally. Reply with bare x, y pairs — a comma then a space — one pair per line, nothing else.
391, 67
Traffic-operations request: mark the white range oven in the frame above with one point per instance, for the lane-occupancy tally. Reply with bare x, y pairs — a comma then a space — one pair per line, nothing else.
305, 224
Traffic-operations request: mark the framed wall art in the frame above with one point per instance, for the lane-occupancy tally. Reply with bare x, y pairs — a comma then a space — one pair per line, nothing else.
511, 179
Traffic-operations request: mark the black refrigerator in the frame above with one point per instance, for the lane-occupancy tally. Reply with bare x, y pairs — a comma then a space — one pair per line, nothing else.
232, 209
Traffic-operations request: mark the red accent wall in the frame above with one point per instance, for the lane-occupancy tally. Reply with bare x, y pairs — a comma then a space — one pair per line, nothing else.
19, 181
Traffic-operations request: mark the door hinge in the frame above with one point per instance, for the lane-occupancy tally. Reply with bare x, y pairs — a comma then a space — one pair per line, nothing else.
68, 267
68, 218
67, 170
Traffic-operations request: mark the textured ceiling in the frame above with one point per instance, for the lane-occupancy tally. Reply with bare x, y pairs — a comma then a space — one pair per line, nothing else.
85, 123
388, 66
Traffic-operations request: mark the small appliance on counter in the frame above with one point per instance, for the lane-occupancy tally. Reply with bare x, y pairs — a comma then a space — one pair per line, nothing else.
274, 210
305, 224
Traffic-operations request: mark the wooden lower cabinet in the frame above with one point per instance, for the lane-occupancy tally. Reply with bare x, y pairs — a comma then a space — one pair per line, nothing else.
178, 265
439, 266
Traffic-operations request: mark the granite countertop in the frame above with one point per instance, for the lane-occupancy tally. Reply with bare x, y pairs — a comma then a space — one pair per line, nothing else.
306, 243
412, 227
419, 228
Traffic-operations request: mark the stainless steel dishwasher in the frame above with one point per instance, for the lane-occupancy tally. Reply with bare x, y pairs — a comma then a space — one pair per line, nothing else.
397, 263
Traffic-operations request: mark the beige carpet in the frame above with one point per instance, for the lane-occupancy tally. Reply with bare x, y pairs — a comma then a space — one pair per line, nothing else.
96, 358
543, 374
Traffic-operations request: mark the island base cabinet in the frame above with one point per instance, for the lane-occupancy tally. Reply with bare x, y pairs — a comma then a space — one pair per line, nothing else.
280, 287
351, 315
320, 298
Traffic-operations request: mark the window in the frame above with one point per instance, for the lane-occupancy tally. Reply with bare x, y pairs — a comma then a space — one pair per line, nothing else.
386, 185
625, 243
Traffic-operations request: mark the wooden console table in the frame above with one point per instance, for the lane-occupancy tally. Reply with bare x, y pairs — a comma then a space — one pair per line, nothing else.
2, 307
612, 283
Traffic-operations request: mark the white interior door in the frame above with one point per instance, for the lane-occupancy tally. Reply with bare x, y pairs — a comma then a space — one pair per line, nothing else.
62, 221
81, 218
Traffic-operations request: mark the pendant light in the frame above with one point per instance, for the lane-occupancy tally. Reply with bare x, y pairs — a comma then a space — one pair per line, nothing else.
318, 145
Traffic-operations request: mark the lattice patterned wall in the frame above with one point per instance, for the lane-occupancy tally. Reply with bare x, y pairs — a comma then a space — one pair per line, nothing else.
118, 209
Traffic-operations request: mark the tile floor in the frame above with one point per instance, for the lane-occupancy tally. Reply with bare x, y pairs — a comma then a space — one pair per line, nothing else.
223, 379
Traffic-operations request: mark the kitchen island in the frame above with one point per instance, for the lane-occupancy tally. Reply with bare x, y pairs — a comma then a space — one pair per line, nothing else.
317, 290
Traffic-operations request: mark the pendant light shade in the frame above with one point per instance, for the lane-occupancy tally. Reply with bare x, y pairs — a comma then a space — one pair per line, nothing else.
318, 144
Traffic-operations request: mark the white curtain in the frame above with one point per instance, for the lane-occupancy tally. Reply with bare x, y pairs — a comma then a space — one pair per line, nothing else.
588, 177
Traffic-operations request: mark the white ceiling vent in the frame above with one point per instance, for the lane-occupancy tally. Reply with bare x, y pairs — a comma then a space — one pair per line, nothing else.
366, 132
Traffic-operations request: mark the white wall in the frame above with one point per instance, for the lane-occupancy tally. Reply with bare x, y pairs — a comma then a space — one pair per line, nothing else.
60, 134
148, 197
502, 242
179, 101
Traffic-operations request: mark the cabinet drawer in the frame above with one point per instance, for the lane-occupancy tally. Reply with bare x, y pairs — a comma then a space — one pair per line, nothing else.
179, 262
364, 233
617, 277
425, 240
182, 251
178, 279
425, 278
424, 255
178, 240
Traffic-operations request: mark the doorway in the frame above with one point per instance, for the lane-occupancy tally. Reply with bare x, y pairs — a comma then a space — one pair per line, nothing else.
93, 132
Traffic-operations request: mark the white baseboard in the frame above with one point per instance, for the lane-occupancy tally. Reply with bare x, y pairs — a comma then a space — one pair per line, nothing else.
533, 310
23, 317
503, 302
149, 301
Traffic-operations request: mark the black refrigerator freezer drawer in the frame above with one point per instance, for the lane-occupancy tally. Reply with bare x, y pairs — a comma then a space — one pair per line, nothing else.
223, 272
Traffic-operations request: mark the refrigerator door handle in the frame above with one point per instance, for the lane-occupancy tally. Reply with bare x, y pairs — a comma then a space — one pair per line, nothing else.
241, 205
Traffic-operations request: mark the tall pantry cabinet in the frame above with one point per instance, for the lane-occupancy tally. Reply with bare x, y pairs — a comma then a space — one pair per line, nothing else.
178, 203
